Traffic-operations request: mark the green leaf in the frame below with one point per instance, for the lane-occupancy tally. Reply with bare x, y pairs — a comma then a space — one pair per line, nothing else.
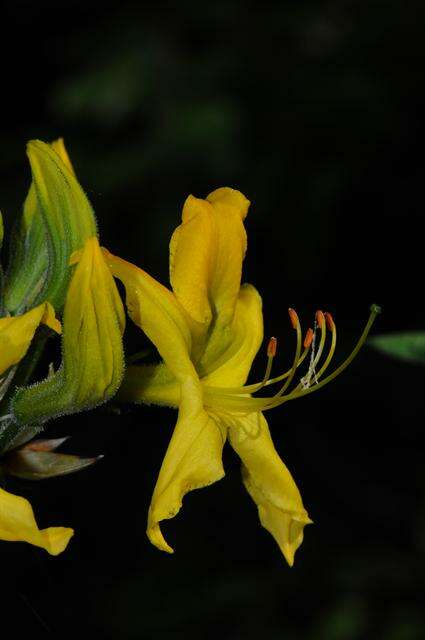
409, 346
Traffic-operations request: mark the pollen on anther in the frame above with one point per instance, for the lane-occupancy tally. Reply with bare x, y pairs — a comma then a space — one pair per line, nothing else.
329, 321
294, 318
320, 319
308, 338
272, 347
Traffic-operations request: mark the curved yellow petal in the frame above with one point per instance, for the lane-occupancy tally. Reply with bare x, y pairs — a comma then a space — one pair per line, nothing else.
17, 524
230, 209
192, 248
154, 309
206, 254
230, 367
192, 461
93, 358
269, 483
230, 199
16, 333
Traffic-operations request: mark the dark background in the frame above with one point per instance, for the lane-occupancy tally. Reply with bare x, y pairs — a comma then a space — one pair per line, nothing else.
315, 110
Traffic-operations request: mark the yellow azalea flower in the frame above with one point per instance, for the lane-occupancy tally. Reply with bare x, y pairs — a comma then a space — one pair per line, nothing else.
93, 359
208, 331
17, 524
16, 333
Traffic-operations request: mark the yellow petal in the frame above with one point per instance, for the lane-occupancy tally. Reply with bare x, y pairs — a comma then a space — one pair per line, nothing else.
156, 311
16, 333
93, 359
206, 254
193, 460
269, 483
191, 258
150, 384
50, 319
17, 524
230, 199
230, 367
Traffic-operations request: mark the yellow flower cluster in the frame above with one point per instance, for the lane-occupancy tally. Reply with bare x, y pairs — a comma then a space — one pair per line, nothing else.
207, 329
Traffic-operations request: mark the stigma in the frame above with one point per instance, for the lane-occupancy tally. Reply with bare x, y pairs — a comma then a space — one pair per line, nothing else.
316, 348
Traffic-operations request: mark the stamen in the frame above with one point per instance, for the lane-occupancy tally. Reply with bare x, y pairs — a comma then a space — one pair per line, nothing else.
297, 326
375, 310
331, 325
329, 321
271, 352
307, 343
243, 406
294, 318
319, 320
308, 338
305, 380
256, 386
272, 347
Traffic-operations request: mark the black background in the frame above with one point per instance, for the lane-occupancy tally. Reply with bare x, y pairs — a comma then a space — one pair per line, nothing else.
315, 111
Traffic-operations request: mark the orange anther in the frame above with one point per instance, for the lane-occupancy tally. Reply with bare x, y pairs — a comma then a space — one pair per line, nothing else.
308, 338
294, 318
320, 319
329, 321
272, 347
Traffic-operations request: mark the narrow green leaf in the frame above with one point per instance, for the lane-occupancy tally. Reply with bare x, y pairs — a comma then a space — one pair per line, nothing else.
409, 346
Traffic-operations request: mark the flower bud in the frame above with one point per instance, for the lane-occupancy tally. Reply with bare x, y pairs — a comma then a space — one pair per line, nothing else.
57, 219
93, 359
